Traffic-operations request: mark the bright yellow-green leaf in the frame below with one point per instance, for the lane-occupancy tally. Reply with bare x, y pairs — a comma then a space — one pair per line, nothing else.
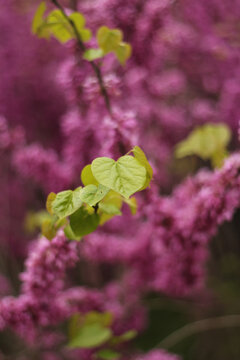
92, 194
141, 157
125, 176
132, 203
48, 229
85, 35
60, 28
206, 142
108, 39
38, 17
112, 201
33, 221
93, 54
109, 209
51, 197
123, 52
78, 19
90, 330
66, 202
87, 177
105, 319
218, 158
90, 336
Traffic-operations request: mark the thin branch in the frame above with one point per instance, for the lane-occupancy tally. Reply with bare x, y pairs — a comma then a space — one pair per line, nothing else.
82, 47
198, 327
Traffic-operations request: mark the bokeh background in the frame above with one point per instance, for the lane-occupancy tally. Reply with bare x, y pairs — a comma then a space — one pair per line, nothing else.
184, 72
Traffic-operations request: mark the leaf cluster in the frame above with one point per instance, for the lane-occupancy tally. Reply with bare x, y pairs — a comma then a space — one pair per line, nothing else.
209, 142
65, 27
107, 184
92, 330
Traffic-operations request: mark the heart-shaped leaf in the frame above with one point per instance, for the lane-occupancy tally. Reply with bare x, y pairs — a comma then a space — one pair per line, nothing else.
91, 335
82, 223
92, 194
141, 157
87, 176
66, 202
125, 176
108, 39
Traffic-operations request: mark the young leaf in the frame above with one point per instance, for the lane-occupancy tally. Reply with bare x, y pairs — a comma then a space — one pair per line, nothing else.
141, 157
74, 326
123, 52
48, 229
70, 234
109, 209
90, 335
108, 39
66, 202
132, 203
206, 142
79, 22
92, 194
105, 319
83, 223
78, 19
111, 203
59, 26
127, 336
51, 197
93, 54
87, 176
125, 176
38, 18
34, 220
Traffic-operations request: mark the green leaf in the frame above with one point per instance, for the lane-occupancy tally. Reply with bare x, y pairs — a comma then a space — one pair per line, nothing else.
38, 17
132, 203
85, 34
51, 197
110, 209
93, 54
33, 221
60, 28
83, 223
87, 176
92, 194
206, 142
70, 234
78, 19
79, 22
127, 336
123, 52
125, 176
91, 335
141, 157
66, 202
48, 229
108, 39
105, 319
108, 354
74, 326
111, 201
